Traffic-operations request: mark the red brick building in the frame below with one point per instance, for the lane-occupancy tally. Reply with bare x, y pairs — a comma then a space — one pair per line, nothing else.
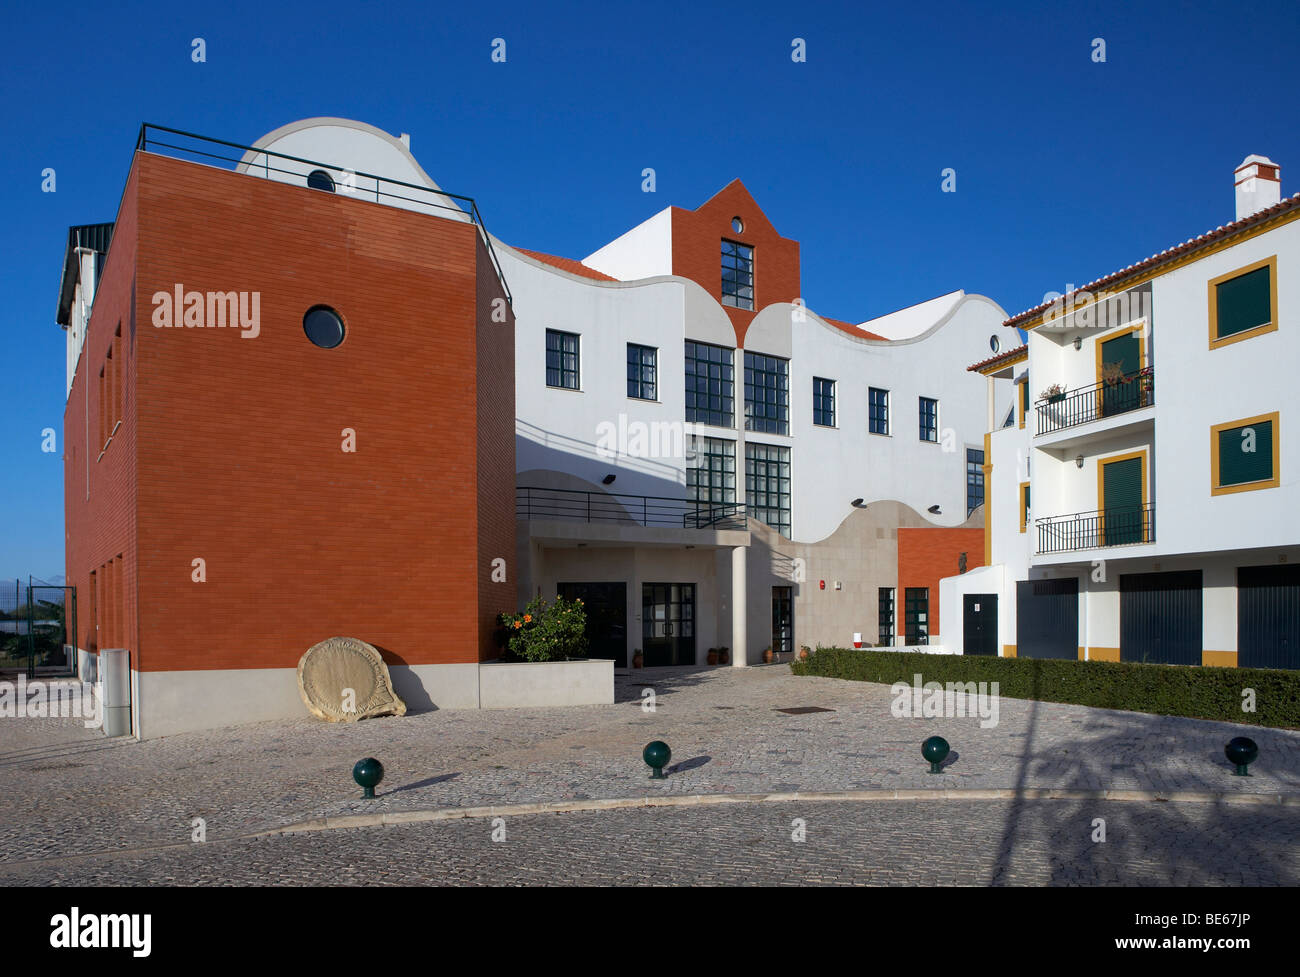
235, 495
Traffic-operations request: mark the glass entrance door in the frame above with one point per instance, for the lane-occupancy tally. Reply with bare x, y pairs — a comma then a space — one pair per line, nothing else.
668, 623
782, 621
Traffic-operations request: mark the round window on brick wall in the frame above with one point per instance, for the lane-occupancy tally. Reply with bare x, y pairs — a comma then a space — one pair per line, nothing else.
737, 225
320, 180
323, 326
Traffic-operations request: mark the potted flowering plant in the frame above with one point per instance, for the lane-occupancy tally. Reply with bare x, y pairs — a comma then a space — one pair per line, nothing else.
1053, 394
544, 632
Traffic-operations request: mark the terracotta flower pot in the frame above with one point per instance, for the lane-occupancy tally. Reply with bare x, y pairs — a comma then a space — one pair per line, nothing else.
713, 656
638, 660
767, 656
723, 656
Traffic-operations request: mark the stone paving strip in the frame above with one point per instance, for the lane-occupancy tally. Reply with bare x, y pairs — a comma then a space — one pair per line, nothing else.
65, 790
955, 842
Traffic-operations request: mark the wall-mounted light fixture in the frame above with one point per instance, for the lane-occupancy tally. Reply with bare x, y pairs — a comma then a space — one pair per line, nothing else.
1078, 461
1078, 342
934, 509
856, 503
608, 479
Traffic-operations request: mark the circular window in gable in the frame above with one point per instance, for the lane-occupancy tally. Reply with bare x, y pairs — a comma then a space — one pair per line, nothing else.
323, 326
995, 344
320, 180
738, 225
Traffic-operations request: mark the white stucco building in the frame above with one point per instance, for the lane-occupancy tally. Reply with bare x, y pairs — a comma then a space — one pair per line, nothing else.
1147, 510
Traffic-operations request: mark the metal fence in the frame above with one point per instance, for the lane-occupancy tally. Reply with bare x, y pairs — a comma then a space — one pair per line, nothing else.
37, 620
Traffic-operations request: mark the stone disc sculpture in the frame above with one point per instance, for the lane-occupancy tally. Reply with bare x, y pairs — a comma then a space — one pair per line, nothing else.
345, 679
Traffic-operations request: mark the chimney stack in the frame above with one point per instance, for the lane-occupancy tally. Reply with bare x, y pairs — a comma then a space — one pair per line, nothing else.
1259, 185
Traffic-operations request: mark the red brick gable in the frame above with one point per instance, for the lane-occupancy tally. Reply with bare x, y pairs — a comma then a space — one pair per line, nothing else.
697, 251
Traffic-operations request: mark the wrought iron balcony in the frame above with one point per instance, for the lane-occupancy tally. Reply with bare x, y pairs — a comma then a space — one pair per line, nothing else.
1115, 526
637, 510
1105, 399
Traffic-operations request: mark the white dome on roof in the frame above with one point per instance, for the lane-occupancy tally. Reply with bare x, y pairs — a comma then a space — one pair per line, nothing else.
354, 158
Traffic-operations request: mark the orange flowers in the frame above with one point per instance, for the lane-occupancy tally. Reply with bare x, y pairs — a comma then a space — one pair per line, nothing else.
528, 619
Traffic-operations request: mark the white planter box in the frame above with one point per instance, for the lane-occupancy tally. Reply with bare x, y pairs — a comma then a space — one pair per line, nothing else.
588, 682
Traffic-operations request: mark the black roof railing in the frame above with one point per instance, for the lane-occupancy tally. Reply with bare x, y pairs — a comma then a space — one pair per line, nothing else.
637, 510
353, 183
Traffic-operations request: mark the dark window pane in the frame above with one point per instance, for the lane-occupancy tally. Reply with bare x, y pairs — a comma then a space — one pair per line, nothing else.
323, 326
561, 359
641, 371
878, 407
710, 384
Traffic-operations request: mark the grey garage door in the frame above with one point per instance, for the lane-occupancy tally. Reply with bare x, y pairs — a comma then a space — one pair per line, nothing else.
1160, 617
1268, 617
1047, 618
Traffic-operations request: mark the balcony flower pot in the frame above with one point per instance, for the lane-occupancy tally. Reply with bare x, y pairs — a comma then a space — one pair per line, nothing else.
713, 656
1055, 398
723, 655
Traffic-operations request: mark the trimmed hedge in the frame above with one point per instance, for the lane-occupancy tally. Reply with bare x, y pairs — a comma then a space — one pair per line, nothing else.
1166, 690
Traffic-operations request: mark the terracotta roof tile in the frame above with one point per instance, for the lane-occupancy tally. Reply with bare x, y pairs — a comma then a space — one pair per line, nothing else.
852, 330
568, 264
1008, 355
1168, 254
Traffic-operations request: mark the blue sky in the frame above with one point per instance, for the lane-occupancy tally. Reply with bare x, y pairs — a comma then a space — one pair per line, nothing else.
1066, 169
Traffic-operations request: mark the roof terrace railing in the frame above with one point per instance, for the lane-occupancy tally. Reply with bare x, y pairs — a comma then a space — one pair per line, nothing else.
640, 510
253, 159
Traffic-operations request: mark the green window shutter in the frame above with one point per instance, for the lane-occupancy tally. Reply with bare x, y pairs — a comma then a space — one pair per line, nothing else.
1122, 483
1125, 350
1244, 302
1024, 395
1122, 518
1237, 465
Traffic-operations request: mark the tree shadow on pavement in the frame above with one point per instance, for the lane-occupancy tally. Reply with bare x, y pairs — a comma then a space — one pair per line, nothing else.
1142, 751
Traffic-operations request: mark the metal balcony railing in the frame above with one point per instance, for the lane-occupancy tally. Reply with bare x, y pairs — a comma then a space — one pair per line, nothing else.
354, 183
637, 510
1118, 526
1130, 392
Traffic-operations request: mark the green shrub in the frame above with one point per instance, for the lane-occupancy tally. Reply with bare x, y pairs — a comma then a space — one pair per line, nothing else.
1166, 690
544, 632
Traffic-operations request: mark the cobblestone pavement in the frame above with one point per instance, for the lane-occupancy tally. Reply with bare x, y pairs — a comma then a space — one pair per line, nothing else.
66, 790
902, 843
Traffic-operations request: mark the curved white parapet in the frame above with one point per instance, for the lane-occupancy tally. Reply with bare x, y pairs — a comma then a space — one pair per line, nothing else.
353, 154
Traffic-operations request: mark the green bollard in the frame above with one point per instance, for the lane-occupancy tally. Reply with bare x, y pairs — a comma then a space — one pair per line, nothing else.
368, 773
935, 749
656, 756
1241, 751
